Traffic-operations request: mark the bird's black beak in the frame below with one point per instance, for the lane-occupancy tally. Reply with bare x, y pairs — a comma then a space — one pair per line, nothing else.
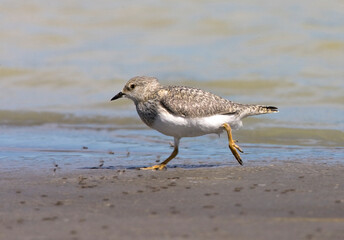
118, 95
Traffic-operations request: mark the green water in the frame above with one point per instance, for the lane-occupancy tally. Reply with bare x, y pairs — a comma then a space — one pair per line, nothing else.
62, 61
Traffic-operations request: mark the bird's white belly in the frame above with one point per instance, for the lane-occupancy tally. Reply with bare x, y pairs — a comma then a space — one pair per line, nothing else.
172, 125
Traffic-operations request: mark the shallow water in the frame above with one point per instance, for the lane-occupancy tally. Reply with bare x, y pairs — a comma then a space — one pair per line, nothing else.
61, 63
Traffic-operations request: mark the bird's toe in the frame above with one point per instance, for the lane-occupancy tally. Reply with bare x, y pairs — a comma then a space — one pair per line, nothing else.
155, 167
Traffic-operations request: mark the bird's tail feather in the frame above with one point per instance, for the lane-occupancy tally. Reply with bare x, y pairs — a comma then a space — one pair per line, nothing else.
267, 109
258, 109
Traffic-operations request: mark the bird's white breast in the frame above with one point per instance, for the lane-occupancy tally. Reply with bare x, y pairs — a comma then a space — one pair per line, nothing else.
172, 125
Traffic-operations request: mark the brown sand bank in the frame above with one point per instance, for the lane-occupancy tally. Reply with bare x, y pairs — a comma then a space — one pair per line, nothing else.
286, 201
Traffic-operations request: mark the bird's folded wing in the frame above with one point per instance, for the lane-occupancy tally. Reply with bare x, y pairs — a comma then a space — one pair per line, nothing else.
193, 102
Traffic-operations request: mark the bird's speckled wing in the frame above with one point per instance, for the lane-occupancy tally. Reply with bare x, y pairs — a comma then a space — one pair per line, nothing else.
193, 102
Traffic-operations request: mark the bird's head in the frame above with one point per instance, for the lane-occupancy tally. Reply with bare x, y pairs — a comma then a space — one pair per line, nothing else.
139, 89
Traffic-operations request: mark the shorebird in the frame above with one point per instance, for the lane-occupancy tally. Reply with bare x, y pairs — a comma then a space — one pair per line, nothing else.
180, 111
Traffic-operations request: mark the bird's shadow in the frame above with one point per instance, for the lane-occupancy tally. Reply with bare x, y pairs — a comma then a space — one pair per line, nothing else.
172, 166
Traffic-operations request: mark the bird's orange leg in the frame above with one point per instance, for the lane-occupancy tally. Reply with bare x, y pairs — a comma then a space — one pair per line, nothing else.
162, 165
232, 145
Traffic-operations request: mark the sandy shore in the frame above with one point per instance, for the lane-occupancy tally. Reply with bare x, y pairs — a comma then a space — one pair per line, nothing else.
286, 201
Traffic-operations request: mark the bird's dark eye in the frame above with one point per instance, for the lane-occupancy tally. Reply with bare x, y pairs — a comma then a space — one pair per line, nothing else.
132, 86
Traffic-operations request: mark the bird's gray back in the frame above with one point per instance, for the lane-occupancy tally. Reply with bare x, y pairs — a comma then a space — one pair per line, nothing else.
194, 102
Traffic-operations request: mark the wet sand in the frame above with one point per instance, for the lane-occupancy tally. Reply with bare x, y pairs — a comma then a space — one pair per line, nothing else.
284, 201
